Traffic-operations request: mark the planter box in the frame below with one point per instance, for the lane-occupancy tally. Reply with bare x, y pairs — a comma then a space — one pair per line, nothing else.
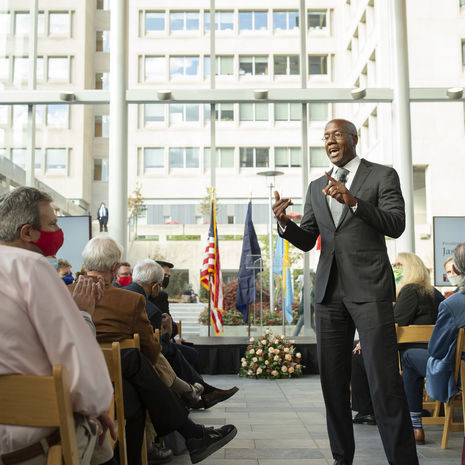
242, 331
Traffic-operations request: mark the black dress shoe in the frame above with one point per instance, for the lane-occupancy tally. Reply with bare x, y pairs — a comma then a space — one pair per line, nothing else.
364, 419
212, 440
158, 455
218, 395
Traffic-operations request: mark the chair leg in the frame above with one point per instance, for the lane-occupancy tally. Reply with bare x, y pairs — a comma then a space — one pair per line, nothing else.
144, 450
447, 424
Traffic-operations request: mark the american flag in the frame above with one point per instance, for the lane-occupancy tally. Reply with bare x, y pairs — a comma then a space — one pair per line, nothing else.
210, 277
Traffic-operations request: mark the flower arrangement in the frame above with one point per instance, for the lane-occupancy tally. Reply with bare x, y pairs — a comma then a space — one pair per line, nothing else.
271, 357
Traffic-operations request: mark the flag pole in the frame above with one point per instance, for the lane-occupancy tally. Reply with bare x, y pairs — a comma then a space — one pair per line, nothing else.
283, 301
248, 317
209, 309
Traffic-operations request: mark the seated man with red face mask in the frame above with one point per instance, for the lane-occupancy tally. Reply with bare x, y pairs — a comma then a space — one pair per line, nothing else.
42, 326
123, 275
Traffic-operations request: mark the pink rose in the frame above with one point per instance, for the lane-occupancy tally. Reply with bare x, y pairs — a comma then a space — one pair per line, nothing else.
298, 355
284, 368
276, 358
259, 352
274, 373
298, 367
291, 369
251, 351
267, 331
267, 362
251, 339
250, 373
276, 351
264, 342
259, 371
288, 357
286, 349
244, 364
255, 359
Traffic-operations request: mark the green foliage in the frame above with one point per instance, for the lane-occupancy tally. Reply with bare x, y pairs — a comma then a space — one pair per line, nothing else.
271, 357
183, 237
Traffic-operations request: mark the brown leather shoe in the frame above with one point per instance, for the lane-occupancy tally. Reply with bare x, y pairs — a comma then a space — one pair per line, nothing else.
218, 395
419, 435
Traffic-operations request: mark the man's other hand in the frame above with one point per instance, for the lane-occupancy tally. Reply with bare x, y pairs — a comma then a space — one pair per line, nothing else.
279, 209
84, 294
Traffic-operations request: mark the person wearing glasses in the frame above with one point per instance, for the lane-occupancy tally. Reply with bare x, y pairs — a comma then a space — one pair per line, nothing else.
353, 207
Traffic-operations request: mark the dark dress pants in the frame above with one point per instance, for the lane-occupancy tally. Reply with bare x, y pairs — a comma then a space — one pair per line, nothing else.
336, 320
144, 391
414, 363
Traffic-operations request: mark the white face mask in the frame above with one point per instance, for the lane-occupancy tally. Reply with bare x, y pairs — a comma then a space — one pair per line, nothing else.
454, 279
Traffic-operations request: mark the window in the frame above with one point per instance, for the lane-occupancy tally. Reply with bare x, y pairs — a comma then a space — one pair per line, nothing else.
180, 113
101, 169
21, 23
316, 19
59, 24
103, 4
285, 20
462, 3
286, 64
318, 157
253, 112
154, 113
153, 158
57, 115
58, 68
102, 41
4, 111
224, 21
253, 20
224, 65
18, 157
224, 157
231, 219
184, 157
4, 68
5, 22
184, 21
253, 65
56, 159
19, 115
102, 125
254, 157
38, 159
287, 111
154, 21
102, 81
184, 66
21, 68
318, 111
224, 112
318, 64
287, 157
154, 68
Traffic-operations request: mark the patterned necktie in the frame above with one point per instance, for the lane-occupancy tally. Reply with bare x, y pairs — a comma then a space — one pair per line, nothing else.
336, 207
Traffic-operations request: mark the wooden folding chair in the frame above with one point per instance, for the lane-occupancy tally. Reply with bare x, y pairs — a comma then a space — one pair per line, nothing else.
113, 358
133, 343
455, 401
179, 325
42, 401
420, 333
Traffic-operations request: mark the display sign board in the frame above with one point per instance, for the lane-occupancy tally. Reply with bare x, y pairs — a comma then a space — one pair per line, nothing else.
77, 232
448, 232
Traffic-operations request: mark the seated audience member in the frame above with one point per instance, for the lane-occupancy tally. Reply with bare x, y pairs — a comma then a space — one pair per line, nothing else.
436, 363
189, 295
417, 304
37, 308
451, 276
123, 275
64, 271
120, 314
147, 278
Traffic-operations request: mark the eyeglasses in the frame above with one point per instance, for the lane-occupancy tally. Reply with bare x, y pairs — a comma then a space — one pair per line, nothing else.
397, 265
337, 135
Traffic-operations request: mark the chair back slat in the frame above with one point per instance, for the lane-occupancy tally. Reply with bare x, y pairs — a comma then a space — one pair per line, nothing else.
458, 352
414, 333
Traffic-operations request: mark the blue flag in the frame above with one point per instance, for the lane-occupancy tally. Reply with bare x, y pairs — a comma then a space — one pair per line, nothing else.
249, 267
278, 257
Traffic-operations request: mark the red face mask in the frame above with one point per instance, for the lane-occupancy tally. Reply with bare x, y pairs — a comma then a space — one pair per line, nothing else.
49, 241
124, 280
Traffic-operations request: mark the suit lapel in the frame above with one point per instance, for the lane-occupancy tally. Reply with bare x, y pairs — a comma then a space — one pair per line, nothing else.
360, 177
324, 207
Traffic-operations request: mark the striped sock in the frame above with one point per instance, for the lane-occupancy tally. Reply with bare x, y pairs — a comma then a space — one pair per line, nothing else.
416, 420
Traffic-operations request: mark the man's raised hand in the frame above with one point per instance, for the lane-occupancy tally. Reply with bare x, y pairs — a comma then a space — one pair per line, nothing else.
338, 190
279, 209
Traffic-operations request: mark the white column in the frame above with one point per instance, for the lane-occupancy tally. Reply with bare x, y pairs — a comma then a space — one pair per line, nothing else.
212, 105
305, 164
401, 115
118, 157
32, 83
270, 238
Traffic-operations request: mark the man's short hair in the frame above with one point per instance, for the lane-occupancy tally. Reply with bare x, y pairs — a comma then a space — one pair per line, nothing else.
62, 263
18, 208
125, 264
101, 253
459, 258
147, 272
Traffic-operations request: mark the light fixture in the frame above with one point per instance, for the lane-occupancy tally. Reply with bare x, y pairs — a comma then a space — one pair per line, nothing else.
358, 93
261, 94
455, 92
67, 96
164, 94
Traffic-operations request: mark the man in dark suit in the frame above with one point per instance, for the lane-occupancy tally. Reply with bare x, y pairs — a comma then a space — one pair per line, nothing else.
102, 216
353, 208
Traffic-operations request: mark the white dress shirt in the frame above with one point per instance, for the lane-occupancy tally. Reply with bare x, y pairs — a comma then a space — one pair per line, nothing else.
41, 326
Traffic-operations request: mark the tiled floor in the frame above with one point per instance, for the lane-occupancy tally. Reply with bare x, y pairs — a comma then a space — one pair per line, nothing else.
283, 422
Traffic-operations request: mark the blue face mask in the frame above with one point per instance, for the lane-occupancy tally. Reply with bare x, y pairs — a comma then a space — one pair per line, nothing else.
53, 262
68, 279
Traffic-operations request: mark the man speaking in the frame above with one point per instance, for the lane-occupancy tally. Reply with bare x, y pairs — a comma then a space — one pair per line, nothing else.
353, 208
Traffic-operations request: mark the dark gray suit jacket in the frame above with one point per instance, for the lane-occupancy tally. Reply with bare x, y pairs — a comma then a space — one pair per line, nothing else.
358, 243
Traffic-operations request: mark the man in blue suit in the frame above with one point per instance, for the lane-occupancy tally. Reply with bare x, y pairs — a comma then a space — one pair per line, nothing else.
353, 208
